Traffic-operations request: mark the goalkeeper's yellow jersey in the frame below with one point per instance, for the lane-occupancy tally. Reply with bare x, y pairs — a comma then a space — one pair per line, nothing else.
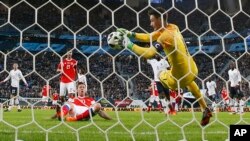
174, 46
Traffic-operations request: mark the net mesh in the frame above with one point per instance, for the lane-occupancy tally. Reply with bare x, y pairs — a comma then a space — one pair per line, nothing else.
37, 35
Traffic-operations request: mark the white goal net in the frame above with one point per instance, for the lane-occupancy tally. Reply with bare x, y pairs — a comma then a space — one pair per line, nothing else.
36, 34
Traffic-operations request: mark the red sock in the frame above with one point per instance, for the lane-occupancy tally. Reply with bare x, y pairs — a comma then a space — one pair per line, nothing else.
159, 106
173, 106
170, 107
149, 108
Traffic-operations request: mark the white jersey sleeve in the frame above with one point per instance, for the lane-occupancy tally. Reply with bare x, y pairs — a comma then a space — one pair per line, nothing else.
22, 77
7, 78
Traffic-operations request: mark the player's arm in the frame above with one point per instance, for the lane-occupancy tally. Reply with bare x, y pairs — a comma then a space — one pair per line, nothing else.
143, 37
76, 69
85, 81
6, 79
104, 115
239, 77
59, 67
23, 79
146, 52
167, 64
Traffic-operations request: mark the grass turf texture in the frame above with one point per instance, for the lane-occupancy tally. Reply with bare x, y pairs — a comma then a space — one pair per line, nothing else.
142, 125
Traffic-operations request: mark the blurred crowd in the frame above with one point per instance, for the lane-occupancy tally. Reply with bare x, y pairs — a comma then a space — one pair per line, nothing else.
109, 77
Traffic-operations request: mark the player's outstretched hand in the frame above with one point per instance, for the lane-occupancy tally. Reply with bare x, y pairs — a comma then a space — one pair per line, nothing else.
127, 43
126, 32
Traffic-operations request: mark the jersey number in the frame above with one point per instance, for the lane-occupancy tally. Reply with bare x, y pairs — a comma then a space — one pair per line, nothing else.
67, 66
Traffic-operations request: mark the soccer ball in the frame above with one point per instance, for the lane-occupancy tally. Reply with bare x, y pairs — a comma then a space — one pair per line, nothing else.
115, 40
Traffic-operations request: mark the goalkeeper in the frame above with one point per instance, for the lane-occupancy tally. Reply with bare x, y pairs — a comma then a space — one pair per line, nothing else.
168, 38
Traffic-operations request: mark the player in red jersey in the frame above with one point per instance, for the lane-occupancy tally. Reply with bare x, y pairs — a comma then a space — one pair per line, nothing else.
68, 68
83, 107
225, 98
46, 91
154, 96
55, 98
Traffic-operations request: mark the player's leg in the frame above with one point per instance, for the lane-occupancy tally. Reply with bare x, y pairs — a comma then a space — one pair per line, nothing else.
164, 91
17, 103
12, 98
151, 100
194, 89
227, 105
85, 113
45, 101
173, 104
11, 103
65, 110
233, 100
157, 99
71, 88
62, 93
242, 104
164, 104
54, 104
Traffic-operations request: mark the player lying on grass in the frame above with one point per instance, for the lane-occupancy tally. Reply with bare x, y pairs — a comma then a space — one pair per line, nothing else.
82, 108
167, 37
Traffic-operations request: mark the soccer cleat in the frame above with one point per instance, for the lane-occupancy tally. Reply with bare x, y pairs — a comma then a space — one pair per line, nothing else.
172, 112
71, 119
207, 114
19, 110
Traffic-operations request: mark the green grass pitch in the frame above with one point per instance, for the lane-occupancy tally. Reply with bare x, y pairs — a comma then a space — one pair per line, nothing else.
36, 125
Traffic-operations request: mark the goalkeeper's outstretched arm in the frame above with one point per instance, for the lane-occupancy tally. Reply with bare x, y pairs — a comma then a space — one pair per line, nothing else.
146, 52
142, 37
145, 37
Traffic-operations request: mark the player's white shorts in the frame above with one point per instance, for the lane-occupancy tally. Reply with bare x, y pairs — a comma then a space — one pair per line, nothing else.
77, 110
226, 102
54, 102
154, 98
67, 87
45, 99
172, 99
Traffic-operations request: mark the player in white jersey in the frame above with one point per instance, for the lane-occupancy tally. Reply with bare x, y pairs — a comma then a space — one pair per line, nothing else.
159, 64
14, 75
234, 83
211, 89
82, 77
242, 104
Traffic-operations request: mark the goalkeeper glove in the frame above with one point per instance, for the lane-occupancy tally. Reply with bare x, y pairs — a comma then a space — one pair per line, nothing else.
126, 32
127, 43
